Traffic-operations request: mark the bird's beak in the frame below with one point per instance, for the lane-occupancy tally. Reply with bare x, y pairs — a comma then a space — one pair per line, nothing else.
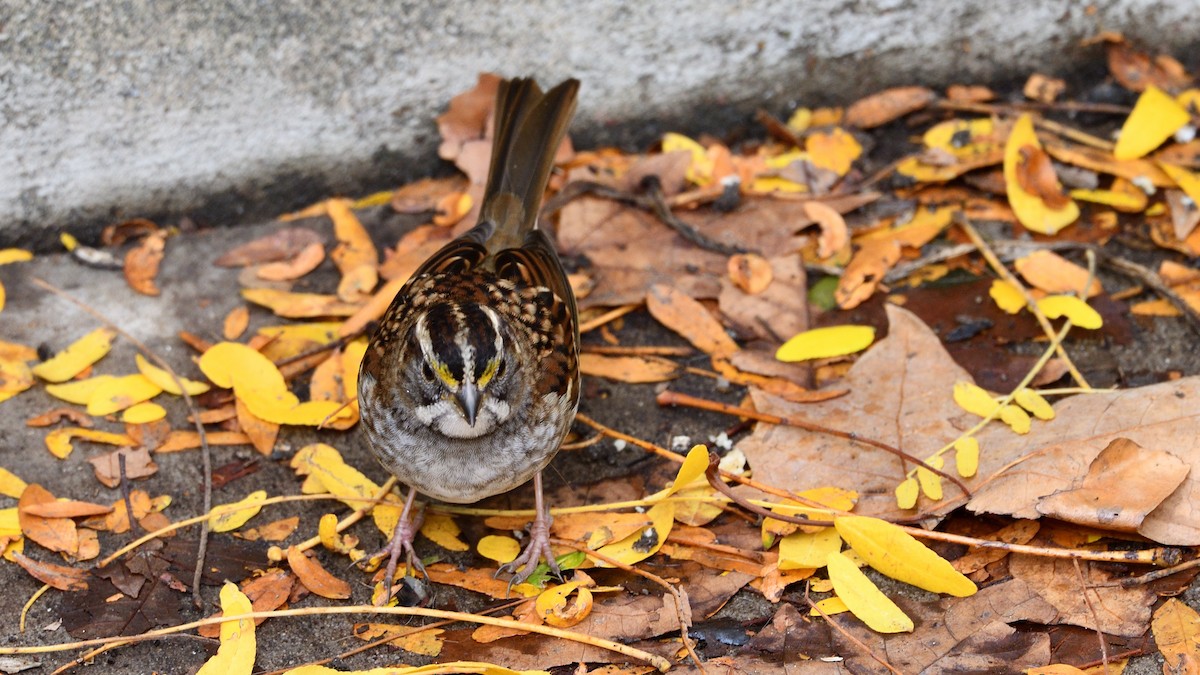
468, 401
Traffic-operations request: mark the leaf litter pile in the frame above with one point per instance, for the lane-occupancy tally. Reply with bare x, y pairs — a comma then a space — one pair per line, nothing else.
900, 468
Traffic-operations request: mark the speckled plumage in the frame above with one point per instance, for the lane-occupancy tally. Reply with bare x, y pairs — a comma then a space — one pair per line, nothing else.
471, 380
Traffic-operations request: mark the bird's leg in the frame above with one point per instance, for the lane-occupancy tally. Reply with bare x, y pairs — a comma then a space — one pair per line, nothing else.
402, 542
539, 541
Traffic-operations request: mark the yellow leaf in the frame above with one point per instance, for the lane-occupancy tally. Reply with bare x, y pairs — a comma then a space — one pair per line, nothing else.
1016, 418
10, 522
3, 297
15, 375
143, 413
962, 138
58, 441
167, 383
821, 343
10, 485
647, 539
1176, 630
448, 668
700, 169
1034, 403
328, 472
351, 362
317, 332
691, 471
864, 599
966, 456
14, 255
893, 552
1155, 117
907, 492
1006, 296
227, 521
1030, 209
259, 384
830, 606
1079, 312
834, 150
235, 656
800, 550
120, 393
298, 305
974, 399
443, 531
499, 548
554, 607
1061, 669
1128, 202
800, 120
78, 392
77, 356
931, 483
68, 241
1187, 181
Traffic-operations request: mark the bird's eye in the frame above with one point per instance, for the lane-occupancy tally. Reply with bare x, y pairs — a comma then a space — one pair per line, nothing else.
427, 372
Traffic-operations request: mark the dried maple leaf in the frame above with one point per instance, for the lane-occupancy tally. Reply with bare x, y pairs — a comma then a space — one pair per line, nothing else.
279, 245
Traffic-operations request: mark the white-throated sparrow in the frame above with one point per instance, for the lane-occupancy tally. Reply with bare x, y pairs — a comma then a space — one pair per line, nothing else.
471, 380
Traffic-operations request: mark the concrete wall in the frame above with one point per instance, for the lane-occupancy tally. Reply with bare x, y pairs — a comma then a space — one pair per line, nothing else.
240, 109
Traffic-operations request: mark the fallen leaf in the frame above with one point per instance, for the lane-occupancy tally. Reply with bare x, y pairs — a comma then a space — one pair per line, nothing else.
63, 578
299, 305
823, 343
687, 317
315, 578
1118, 610
864, 599
243, 511
142, 263
632, 369
750, 272
1136, 70
1155, 118
1122, 486
865, 272
894, 552
138, 464
56, 534
236, 322
1050, 272
887, 105
308, 259
238, 643
78, 356
1177, 634
282, 244
1030, 207
776, 312
58, 441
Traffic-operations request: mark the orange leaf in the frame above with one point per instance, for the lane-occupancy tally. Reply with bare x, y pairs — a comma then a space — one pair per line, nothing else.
308, 259
687, 317
56, 576
141, 263
888, 105
56, 534
315, 578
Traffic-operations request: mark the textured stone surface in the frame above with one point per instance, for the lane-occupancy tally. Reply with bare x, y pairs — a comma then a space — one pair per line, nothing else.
237, 110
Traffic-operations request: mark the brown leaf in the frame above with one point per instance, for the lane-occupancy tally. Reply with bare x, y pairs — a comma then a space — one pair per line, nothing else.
56, 534
1136, 70
266, 592
834, 235
467, 117
777, 312
687, 317
750, 272
969, 93
1043, 88
1035, 175
262, 434
279, 245
236, 322
1123, 484
1061, 450
56, 576
308, 259
138, 464
423, 195
315, 578
68, 508
1052, 273
900, 394
865, 271
52, 417
141, 264
190, 440
632, 369
1120, 611
887, 105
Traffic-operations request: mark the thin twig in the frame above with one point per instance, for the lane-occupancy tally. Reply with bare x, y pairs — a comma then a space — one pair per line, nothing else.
193, 410
658, 205
672, 398
666, 585
1092, 609
846, 634
1030, 302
